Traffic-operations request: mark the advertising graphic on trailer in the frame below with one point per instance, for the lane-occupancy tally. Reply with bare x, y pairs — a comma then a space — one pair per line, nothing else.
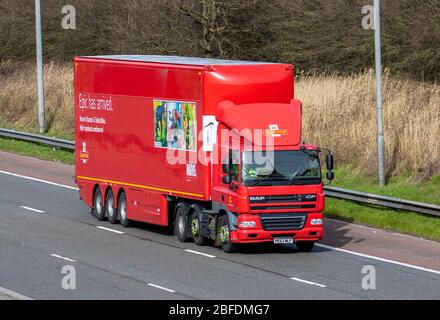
175, 124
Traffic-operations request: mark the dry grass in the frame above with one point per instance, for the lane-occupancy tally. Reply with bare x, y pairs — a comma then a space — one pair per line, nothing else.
18, 98
339, 113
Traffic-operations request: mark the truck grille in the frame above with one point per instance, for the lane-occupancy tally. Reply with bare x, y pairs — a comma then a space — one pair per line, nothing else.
283, 198
283, 221
282, 207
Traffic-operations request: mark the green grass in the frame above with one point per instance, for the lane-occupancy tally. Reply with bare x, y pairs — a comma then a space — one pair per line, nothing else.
398, 221
403, 186
36, 151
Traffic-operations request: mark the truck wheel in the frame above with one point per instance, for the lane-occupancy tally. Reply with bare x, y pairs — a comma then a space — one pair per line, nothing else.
110, 210
196, 224
122, 211
305, 246
225, 235
181, 224
98, 209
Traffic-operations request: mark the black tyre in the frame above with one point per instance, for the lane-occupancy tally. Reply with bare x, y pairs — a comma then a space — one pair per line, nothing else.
110, 210
181, 223
225, 235
98, 209
196, 223
122, 211
305, 246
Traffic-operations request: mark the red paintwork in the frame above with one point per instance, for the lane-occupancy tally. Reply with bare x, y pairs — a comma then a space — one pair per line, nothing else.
123, 156
258, 116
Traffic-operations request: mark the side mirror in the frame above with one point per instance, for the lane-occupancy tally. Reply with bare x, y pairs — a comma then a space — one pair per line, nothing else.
329, 162
226, 167
227, 179
330, 175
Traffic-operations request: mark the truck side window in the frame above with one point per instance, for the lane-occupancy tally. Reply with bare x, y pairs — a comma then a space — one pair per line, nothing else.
234, 165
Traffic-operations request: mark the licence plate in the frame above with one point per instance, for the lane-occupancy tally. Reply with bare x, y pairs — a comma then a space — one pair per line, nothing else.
282, 240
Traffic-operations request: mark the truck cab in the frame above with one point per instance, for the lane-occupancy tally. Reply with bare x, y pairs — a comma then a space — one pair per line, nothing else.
267, 184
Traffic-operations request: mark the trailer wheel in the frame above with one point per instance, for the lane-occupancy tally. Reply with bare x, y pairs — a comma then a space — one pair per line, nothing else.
110, 210
98, 209
225, 235
122, 211
181, 224
305, 246
196, 225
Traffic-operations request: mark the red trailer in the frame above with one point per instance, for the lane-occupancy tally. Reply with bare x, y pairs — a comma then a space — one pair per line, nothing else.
174, 141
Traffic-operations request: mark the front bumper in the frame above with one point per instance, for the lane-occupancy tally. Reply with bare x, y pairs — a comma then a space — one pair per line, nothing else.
254, 235
260, 235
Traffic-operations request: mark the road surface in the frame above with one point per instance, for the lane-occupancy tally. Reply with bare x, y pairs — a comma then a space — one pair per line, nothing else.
45, 230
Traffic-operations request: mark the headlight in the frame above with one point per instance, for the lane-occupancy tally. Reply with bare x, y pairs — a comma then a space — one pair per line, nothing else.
316, 222
248, 224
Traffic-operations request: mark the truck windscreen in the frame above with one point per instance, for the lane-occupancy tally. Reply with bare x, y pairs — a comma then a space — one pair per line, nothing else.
281, 167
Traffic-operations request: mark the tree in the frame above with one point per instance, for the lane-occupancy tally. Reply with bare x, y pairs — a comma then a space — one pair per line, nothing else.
222, 28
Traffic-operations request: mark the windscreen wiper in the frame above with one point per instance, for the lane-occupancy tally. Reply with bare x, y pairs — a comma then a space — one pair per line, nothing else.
257, 182
295, 179
268, 177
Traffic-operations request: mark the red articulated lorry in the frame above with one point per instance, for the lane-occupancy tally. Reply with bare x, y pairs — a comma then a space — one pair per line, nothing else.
209, 147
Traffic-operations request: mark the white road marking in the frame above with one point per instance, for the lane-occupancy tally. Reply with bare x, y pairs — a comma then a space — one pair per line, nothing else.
309, 282
64, 258
319, 245
32, 209
12, 294
161, 288
38, 180
108, 229
200, 253
378, 258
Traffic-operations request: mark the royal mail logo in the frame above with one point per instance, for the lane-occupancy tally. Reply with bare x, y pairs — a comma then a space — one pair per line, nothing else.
274, 131
84, 154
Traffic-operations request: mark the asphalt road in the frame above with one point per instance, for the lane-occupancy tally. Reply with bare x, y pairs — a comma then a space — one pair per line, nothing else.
44, 228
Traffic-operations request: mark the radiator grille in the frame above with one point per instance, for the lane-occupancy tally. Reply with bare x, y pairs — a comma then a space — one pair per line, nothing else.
283, 221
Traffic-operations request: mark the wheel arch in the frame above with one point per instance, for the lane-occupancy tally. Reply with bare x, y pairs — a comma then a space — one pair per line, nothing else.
176, 207
96, 187
118, 194
107, 189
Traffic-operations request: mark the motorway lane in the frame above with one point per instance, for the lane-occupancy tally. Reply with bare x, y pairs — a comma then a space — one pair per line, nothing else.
112, 265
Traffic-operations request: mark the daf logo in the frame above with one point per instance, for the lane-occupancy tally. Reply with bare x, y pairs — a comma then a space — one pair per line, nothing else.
257, 198
310, 196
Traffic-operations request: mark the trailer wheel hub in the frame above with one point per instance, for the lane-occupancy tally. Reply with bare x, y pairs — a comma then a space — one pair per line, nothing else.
98, 204
123, 210
181, 223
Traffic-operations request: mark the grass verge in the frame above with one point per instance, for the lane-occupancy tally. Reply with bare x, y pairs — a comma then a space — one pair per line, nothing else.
398, 221
36, 150
401, 186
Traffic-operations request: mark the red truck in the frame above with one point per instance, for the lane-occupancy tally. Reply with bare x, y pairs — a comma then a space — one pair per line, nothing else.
209, 147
